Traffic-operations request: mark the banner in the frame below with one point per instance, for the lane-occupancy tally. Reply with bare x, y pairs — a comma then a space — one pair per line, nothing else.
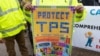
87, 32
52, 30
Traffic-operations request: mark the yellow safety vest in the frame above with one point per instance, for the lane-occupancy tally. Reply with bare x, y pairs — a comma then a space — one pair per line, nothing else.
11, 18
77, 17
27, 16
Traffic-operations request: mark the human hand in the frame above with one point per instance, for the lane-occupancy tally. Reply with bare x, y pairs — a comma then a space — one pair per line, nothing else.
79, 9
28, 6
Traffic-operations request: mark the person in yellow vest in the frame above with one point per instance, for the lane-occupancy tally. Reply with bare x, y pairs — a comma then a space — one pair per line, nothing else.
29, 21
12, 26
28, 18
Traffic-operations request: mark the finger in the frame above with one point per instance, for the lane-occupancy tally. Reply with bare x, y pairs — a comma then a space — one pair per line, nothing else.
28, 8
79, 6
81, 9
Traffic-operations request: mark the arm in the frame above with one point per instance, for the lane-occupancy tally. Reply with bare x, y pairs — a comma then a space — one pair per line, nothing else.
80, 12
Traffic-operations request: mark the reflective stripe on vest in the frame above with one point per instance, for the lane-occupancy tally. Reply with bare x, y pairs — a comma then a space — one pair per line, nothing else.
70, 2
12, 29
37, 2
8, 11
10, 32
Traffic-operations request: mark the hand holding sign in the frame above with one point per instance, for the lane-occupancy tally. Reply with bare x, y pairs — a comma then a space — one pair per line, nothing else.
79, 9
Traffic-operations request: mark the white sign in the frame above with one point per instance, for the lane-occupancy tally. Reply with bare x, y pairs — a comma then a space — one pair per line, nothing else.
87, 32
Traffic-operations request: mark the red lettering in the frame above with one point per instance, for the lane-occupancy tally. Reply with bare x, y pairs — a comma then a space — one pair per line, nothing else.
97, 46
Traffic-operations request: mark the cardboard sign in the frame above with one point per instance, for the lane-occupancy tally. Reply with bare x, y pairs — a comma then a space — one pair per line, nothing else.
52, 30
87, 32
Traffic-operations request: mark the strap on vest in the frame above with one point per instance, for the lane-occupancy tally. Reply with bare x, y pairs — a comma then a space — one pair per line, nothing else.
37, 2
70, 2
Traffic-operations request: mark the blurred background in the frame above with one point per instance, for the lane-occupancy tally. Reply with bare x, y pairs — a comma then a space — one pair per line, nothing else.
90, 2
